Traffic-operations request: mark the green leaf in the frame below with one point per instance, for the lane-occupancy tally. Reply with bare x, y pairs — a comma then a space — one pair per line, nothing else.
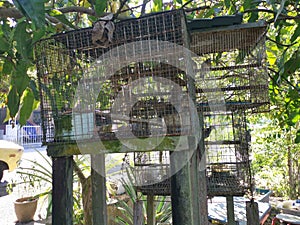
296, 34
290, 66
32, 85
13, 101
4, 45
247, 4
32, 9
37, 35
100, 6
27, 106
62, 18
294, 117
24, 41
158, 5
20, 78
297, 139
227, 3
7, 66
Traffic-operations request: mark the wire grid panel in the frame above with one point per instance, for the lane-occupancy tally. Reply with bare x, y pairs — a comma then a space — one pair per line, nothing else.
227, 151
127, 87
151, 172
231, 67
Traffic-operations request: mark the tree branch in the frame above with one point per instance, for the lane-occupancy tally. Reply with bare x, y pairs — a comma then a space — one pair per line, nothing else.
10, 13
143, 10
77, 9
283, 45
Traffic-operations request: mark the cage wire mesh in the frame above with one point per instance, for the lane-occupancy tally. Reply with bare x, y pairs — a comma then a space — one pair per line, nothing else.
151, 172
122, 94
227, 152
231, 65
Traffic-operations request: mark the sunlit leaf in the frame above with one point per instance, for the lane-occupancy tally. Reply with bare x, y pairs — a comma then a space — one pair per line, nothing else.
13, 101
158, 5
27, 106
271, 58
296, 34
294, 118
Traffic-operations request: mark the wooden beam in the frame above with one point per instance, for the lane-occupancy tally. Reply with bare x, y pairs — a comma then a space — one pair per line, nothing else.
95, 146
62, 191
98, 189
150, 210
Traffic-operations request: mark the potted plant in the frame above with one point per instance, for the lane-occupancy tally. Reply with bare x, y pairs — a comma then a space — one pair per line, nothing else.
25, 208
35, 186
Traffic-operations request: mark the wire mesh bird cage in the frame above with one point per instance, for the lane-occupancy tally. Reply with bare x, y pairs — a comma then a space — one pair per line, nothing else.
93, 85
231, 67
227, 151
227, 141
151, 172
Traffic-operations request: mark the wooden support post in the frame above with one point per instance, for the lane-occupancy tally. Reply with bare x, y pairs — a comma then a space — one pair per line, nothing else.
184, 198
252, 213
138, 215
230, 210
98, 189
150, 210
62, 191
201, 163
195, 188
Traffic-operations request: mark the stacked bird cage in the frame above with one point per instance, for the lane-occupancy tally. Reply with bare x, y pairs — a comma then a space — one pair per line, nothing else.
227, 149
151, 172
231, 67
112, 81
